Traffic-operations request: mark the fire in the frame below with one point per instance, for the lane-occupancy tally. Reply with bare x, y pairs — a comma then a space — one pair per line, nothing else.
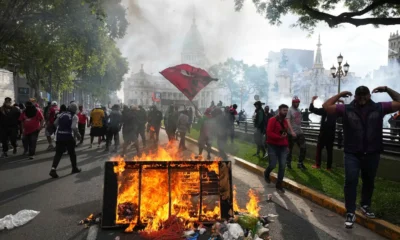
154, 180
251, 206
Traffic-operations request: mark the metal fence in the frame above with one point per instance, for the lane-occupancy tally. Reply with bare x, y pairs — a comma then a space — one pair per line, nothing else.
391, 142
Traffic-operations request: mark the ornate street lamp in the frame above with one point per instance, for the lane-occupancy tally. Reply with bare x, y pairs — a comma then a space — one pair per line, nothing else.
341, 71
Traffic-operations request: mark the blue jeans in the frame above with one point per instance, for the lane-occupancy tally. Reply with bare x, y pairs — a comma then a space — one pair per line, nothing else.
277, 154
353, 164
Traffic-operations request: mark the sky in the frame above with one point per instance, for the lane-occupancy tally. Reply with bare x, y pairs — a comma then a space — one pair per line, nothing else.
158, 27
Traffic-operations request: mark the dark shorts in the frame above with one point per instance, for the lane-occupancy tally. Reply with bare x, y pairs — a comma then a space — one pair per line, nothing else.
50, 130
129, 136
97, 132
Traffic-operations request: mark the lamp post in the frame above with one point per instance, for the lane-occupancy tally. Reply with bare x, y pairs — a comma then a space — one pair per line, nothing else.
341, 71
241, 97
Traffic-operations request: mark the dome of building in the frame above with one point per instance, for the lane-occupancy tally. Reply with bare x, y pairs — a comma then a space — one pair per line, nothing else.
193, 41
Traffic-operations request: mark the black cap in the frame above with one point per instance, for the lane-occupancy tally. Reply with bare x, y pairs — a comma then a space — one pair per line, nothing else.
362, 90
7, 99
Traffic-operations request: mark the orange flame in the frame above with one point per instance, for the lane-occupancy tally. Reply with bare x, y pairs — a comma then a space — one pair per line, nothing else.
154, 185
251, 206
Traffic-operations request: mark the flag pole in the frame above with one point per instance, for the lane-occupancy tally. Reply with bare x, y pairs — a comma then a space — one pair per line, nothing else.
197, 110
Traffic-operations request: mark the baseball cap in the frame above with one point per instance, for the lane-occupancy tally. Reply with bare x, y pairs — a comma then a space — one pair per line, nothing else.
54, 103
362, 90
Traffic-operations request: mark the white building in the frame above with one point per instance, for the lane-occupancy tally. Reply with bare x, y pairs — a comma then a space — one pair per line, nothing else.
6, 85
142, 88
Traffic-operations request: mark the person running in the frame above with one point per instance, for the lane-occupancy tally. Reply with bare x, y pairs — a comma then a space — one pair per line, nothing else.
67, 130
129, 129
83, 121
296, 136
305, 117
141, 121
259, 130
363, 143
50, 118
96, 122
32, 121
326, 137
154, 120
277, 140
183, 125
113, 128
9, 116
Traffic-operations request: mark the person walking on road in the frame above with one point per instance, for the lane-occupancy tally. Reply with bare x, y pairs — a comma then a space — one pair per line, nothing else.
96, 122
259, 130
296, 136
50, 116
129, 129
154, 119
277, 140
183, 125
326, 137
141, 121
9, 116
267, 117
32, 121
67, 131
363, 143
113, 128
83, 121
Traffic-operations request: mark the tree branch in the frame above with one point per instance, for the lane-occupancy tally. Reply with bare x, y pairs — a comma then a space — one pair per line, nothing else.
332, 20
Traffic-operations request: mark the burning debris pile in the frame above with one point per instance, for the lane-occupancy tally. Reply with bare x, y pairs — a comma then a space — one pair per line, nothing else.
169, 199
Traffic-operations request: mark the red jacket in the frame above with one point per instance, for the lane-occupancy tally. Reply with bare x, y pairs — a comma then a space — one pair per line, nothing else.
274, 129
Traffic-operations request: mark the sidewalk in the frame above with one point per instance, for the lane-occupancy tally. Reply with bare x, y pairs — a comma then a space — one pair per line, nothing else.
386, 194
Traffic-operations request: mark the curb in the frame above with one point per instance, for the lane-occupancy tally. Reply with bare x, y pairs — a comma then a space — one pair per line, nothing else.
378, 226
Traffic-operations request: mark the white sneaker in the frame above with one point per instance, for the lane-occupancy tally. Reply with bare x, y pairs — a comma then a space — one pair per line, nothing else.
266, 155
350, 219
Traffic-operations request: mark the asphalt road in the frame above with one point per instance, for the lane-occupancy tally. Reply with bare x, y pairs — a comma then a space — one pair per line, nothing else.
25, 184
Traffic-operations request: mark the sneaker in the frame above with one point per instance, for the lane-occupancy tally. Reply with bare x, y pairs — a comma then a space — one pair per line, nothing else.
266, 177
4, 155
316, 166
350, 219
15, 150
90, 146
266, 155
24, 153
367, 211
50, 147
301, 166
53, 173
31, 157
279, 188
76, 170
289, 166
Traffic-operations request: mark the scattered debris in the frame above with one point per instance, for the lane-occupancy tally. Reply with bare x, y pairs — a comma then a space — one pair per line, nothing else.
20, 218
90, 220
269, 197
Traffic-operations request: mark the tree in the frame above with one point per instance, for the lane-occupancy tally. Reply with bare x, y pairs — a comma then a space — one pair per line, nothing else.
241, 79
54, 41
310, 12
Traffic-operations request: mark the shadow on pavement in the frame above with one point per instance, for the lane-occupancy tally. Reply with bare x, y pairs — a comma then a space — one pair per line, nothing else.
85, 176
82, 210
18, 192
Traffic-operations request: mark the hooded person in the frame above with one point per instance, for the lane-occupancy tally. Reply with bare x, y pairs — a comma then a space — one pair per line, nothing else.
9, 125
141, 122
154, 119
96, 122
113, 128
129, 129
296, 136
363, 143
67, 131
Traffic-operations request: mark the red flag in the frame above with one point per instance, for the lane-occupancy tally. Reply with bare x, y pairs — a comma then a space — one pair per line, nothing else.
155, 98
189, 80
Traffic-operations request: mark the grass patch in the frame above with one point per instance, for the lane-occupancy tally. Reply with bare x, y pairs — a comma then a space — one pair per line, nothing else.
385, 201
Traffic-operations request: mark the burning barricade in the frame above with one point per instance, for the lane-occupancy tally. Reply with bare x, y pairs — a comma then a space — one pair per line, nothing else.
163, 198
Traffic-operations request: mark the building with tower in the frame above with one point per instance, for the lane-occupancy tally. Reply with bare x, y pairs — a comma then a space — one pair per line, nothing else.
317, 81
146, 89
